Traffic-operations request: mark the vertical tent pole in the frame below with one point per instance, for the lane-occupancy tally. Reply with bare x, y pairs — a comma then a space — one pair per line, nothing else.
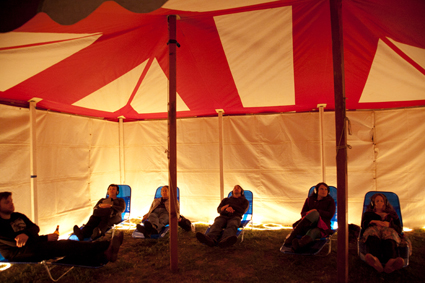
341, 137
322, 144
220, 150
172, 141
33, 159
122, 160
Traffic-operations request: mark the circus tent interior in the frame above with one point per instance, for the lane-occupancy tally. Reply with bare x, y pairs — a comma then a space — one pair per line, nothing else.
83, 102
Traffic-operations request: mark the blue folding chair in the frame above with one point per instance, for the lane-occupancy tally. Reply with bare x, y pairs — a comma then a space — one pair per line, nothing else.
125, 194
404, 248
319, 244
164, 230
247, 217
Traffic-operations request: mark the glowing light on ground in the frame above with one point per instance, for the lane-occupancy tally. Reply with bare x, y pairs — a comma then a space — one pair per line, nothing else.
4, 266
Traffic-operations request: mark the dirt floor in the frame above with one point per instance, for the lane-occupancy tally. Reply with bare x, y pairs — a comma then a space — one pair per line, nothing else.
256, 259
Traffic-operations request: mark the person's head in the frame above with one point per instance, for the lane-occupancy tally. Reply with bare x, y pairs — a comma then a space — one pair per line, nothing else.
237, 191
379, 202
321, 190
113, 190
165, 192
6, 203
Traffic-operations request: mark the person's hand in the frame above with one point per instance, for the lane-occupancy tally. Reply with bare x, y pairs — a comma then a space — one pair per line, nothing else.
21, 240
224, 207
382, 223
52, 237
105, 205
230, 209
145, 217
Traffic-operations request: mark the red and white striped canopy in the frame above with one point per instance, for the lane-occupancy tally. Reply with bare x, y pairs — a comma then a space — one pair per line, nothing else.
246, 56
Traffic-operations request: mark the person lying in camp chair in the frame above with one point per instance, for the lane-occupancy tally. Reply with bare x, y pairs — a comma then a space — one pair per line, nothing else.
20, 242
231, 210
158, 215
317, 212
106, 213
381, 232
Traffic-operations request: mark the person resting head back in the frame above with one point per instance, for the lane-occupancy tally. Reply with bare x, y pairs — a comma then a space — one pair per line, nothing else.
158, 215
381, 230
106, 213
225, 226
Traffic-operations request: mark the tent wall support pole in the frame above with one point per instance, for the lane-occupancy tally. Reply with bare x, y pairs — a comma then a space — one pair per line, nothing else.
33, 161
341, 137
172, 141
322, 144
220, 150
375, 152
122, 160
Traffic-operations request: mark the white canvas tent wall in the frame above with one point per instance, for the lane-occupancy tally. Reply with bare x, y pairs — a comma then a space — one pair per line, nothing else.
277, 157
252, 56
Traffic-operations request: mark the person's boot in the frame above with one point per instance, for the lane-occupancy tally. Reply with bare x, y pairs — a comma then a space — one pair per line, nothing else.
298, 245
78, 233
298, 230
96, 233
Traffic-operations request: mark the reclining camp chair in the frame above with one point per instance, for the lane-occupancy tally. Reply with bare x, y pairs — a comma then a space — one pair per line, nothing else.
319, 244
164, 230
125, 193
404, 249
52, 263
247, 217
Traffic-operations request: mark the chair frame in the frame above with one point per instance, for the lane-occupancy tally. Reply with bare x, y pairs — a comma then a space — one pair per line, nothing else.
319, 244
125, 193
246, 217
404, 251
166, 228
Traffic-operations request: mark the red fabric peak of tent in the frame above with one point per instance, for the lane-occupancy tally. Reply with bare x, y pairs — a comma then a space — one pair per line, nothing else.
115, 62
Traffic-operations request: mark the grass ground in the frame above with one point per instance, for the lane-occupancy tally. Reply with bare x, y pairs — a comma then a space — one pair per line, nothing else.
256, 259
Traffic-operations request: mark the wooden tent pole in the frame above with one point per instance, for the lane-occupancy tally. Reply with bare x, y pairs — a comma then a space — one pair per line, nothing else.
341, 137
172, 142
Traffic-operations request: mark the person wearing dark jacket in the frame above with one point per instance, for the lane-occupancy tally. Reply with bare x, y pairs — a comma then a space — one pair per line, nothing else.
317, 212
381, 230
19, 241
158, 215
106, 213
231, 210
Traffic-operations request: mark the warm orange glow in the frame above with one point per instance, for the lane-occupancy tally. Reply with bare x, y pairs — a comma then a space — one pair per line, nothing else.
4, 266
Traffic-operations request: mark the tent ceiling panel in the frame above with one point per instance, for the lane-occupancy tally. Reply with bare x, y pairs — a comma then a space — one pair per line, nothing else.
392, 78
252, 56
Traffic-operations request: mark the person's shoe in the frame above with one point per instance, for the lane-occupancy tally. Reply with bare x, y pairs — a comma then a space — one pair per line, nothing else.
96, 233
142, 229
295, 245
78, 233
290, 238
299, 245
204, 239
394, 264
149, 228
227, 242
114, 247
374, 262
